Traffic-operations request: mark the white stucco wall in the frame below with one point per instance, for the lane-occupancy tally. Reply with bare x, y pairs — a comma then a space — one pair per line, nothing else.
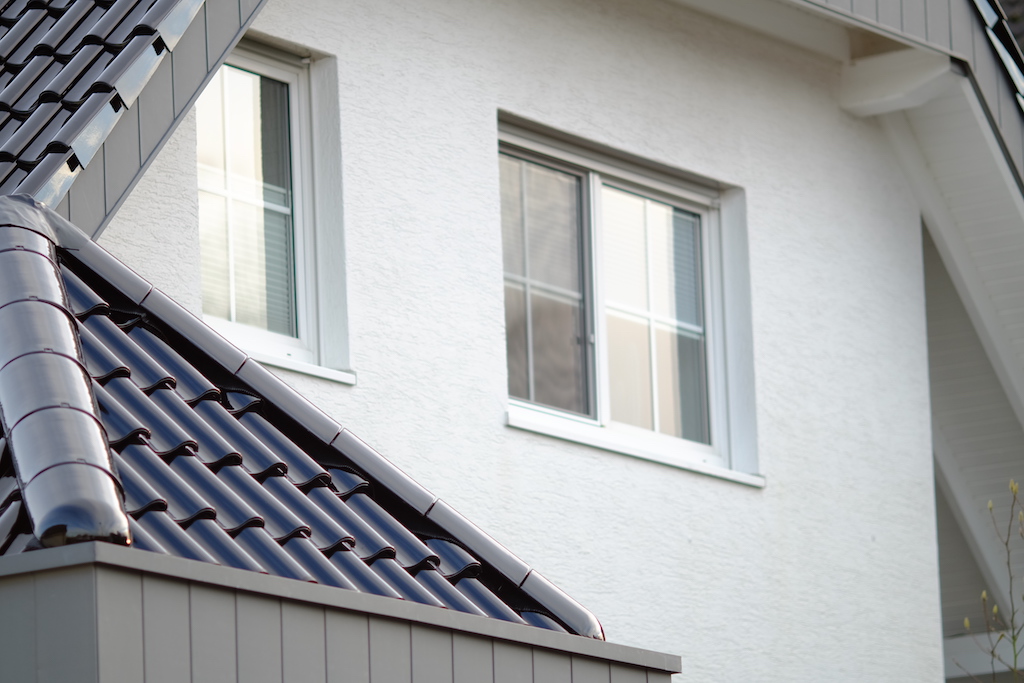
827, 573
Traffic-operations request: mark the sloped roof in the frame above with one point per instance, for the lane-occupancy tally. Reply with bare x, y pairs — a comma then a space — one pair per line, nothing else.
91, 89
218, 460
69, 71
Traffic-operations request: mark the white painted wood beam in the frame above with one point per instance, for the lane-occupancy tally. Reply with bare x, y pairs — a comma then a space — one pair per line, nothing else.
781, 20
894, 81
974, 523
945, 232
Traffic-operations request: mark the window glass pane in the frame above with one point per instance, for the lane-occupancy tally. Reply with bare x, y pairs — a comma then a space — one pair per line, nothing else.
552, 222
625, 248
558, 352
213, 244
545, 321
279, 264
275, 136
210, 134
515, 341
244, 144
249, 264
247, 241
682, 392
512, 214
629, 370
675, 263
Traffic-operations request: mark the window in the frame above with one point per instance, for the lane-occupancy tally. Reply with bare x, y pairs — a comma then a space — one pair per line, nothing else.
258, 243
615, 305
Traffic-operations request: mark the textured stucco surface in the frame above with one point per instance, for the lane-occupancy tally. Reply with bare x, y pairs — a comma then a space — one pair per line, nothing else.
829, 572
162, 249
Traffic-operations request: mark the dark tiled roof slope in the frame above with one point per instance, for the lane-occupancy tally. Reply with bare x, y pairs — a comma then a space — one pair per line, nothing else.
69, 69
221, 462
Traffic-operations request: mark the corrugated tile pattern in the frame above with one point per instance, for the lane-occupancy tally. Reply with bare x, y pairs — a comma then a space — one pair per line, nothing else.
211, 472
68, 71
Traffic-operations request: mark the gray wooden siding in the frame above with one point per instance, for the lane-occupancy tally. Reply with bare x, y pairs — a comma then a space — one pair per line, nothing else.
96, 623
951, 26
164, 102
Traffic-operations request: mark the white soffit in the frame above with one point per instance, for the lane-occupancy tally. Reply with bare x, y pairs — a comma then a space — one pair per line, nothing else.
974, 209
782, 21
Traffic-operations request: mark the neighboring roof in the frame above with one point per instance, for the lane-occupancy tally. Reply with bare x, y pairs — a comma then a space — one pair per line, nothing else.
218, 460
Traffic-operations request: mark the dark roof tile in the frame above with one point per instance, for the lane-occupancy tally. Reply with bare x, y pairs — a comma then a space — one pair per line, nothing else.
218, 465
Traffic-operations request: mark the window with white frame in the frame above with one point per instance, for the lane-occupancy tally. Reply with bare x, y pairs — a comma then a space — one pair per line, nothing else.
254, 197
614, 304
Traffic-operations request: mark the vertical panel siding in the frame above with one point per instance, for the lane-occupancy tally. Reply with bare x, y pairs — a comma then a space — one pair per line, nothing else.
189, 62
17, 636
841, 4
937, 16
390, 651
473, 659
348, 647
119, 625
66, 615
988, 72
166, 626
627, 674
86, 199
303, 637
222, 25
1009, 113
551, 667
431, 655
890, 14
866, 8
156, 109
212, 615
962, 23
258, 628
512, 663
586, 670
122, 158
914, 20
248, 7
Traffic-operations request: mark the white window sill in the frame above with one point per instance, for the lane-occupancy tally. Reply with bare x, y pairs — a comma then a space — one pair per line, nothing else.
340, 376
639, 443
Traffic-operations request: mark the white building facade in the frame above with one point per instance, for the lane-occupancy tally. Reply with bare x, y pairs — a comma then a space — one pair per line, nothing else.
798, 543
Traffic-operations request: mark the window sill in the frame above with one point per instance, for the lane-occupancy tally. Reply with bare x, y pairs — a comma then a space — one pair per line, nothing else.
340, 376
678, 453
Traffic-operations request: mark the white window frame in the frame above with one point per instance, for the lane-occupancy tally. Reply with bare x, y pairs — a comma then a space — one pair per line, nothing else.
312, 116
730, 415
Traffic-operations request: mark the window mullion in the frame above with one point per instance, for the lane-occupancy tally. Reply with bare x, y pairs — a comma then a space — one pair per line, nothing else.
602, 388
229, 203
527, 290
649, 317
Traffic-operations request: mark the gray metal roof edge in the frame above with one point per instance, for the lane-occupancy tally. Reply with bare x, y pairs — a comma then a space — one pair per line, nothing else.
328, 596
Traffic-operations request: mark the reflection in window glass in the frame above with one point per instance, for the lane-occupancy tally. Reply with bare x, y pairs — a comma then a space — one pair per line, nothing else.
245, 201
545, 317
654, 306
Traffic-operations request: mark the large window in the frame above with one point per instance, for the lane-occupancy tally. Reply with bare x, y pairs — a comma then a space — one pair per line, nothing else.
253, 197
615, 306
